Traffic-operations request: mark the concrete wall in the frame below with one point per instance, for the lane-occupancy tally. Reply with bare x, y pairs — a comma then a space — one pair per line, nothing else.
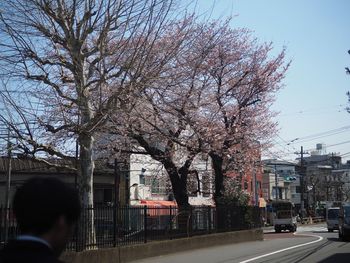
140, 251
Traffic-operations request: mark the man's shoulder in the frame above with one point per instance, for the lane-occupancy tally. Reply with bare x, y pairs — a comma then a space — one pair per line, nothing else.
27, 251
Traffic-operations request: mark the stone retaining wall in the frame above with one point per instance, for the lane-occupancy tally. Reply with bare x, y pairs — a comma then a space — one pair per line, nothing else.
157, 248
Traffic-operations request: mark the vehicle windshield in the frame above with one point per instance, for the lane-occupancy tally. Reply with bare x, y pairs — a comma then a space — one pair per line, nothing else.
333, 213
284, 214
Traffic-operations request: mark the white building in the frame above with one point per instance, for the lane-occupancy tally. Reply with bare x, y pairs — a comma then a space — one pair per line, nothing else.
280, 178
149, 181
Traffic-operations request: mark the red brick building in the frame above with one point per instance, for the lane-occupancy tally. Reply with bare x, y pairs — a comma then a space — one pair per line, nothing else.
250, 174
251, 182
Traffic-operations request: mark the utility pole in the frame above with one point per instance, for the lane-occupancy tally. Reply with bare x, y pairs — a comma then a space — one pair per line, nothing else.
302, 183
276, 182
76, 163
8, 187
256, 194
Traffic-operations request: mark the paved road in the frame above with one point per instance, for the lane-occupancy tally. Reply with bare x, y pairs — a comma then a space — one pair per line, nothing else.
309, 244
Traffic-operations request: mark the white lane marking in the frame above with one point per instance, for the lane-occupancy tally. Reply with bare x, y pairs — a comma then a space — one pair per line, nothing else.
285, 249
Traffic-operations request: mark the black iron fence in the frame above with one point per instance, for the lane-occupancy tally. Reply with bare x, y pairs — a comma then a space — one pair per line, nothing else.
125, 225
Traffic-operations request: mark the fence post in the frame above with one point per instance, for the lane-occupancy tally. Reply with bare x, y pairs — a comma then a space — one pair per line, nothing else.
170, 222
78, 230
115, 224
145, 223
209, 219
190, 224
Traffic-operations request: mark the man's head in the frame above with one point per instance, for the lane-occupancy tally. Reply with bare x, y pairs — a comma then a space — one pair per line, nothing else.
47, 208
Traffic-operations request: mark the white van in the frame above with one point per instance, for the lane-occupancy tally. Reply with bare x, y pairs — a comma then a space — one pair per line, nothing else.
332, 218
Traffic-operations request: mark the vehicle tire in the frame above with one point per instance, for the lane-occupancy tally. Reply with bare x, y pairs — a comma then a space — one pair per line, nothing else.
330, 230
277, 230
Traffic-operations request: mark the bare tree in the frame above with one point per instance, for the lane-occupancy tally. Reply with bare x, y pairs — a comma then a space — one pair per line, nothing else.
71, 64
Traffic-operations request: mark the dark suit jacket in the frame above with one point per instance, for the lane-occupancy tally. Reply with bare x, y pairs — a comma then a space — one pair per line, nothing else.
24, 251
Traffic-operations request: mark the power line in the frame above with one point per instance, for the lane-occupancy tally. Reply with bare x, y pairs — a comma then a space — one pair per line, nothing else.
278, 156
323, 134
340, 107
287, 144
313, 136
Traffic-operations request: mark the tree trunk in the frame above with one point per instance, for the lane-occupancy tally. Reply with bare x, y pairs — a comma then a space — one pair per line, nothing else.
86, 169
178, 183
179, 186
86, 172
217, 162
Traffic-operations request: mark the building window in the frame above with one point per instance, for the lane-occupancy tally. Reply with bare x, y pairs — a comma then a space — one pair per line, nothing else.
158, 186
142, 176
298, 189
279, 192
156, 183
103, 196
142, 179
155, 187
258, 185
205, 185
192, 184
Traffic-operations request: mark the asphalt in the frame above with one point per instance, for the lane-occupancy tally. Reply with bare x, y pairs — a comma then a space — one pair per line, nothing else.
285, 247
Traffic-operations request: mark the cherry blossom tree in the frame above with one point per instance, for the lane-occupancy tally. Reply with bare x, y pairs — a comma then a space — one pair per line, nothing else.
244, 89
157, 120
213, 99
239, 78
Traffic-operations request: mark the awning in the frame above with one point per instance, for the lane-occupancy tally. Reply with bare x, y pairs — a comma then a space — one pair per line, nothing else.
159, 208
262, 202
158, 203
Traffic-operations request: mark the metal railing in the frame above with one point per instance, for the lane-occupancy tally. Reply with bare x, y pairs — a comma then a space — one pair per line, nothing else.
125, 225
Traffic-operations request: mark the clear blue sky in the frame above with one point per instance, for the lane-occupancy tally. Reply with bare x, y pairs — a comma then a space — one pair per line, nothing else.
317, 37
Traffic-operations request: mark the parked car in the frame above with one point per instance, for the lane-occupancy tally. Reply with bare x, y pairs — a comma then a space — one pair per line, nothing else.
332, 218
344, 222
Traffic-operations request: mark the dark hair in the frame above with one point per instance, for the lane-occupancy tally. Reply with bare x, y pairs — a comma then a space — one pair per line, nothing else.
39, 202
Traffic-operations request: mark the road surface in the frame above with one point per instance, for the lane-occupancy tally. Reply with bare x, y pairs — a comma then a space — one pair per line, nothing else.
310, 243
